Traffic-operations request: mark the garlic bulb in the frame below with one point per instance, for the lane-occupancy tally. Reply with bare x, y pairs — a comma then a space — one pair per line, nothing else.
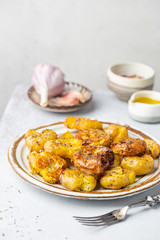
48, 81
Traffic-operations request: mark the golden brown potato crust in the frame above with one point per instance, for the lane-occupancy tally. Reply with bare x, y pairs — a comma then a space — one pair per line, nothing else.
93, 159
116, 178
118, 132
129, 147
63, 147
77, 180
67, 135
152, 148
35, 141
140, 165
48, 166
48, 134
94, 137
82, 123
93, 153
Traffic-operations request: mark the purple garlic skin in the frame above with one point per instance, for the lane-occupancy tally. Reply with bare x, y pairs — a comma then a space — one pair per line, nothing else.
48, 81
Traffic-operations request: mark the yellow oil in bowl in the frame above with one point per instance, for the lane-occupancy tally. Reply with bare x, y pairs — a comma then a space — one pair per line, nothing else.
146, 100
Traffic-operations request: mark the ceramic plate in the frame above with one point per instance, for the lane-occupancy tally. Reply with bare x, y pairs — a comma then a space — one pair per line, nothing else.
18, 152
53, 107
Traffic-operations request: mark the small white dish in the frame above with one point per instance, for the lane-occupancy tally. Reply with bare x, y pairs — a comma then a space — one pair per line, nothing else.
121, 81
143, 112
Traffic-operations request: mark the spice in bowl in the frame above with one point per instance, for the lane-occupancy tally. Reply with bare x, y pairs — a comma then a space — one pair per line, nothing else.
132, 76
126, 78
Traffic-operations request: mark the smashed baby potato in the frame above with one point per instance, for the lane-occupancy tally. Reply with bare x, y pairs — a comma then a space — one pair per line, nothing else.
94, 137
76, 180
140, 165
48, 134
106, 155
67, 135
46, 165
82, 123
35, 141
129, 147
93, 160
152, 148
63, 147
116, 178
118, 132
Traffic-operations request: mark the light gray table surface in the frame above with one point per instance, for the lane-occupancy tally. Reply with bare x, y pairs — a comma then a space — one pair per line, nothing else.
30, 213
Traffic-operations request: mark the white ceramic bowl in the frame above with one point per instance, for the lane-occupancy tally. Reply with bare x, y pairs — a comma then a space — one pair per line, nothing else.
149, 113
124, 87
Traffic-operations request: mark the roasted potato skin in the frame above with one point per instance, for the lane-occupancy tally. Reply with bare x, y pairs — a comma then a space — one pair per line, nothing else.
76, 180
140, 165
48, 134
67, 135
94, 137
82, 123
106, 155
117, 132
48, 166
116, 178
35, 141
93, 160
152, 148
129, 147
63, 147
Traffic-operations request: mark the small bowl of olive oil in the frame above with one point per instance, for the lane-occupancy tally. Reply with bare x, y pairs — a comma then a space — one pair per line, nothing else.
144, 106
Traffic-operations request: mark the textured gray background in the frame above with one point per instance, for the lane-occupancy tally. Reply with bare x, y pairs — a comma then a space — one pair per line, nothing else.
81, 37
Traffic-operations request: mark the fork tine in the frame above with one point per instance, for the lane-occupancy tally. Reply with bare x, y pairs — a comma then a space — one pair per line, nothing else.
94, 217
98, 220
101, 224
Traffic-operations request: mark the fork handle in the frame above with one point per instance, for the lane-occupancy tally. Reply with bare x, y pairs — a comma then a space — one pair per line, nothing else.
149, 200
152, 200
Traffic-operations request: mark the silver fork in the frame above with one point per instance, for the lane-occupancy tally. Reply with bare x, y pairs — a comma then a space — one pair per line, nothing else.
116, 215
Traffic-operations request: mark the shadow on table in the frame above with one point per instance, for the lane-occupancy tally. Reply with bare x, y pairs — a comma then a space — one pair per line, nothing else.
100, 204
